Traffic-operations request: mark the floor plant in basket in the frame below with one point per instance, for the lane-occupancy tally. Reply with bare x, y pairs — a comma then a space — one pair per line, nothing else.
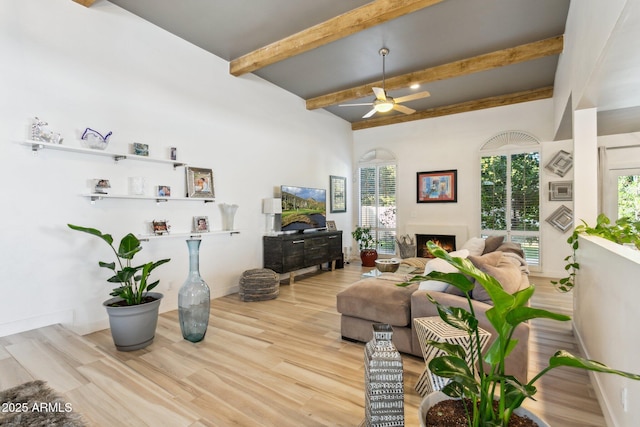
493, 395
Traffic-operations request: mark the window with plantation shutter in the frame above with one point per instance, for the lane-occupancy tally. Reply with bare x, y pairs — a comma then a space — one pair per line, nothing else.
377, 198
510, 193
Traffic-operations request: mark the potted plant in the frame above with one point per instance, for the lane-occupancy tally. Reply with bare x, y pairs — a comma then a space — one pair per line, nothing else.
624, 232
133, 310
367, 245
492, 395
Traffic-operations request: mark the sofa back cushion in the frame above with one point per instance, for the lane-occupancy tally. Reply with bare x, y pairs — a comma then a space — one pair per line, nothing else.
505, 269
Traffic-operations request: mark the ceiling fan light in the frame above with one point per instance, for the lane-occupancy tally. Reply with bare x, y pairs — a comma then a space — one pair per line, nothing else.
383, 106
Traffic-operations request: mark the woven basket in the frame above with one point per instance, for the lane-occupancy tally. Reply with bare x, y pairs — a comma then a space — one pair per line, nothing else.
259, 284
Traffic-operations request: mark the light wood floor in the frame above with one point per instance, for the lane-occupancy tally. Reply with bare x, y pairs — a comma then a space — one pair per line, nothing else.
272, 363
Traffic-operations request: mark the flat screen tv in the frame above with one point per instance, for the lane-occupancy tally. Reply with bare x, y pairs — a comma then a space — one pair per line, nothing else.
303, 208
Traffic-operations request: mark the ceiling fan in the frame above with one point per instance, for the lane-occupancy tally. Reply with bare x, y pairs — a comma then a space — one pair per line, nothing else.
384, 103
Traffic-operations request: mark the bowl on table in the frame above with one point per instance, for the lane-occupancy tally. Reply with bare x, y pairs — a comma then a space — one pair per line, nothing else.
389, 265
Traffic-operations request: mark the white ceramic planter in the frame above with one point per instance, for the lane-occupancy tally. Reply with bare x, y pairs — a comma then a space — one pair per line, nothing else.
438, 396
133, 327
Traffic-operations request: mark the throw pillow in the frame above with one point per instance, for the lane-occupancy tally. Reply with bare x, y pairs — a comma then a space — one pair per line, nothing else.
474, 245
442, 266
500, 267
491, 243
511, 247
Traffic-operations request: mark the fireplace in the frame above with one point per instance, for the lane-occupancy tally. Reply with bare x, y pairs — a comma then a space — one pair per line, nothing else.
445, 241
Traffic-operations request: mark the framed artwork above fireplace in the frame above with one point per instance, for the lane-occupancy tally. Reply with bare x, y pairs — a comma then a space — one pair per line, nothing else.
437, 186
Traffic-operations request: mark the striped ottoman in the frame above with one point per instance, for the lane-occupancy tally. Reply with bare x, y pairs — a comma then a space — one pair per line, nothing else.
259, 284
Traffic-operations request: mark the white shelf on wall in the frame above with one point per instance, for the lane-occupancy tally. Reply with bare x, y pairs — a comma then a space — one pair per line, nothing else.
41, 145
98, 196
147, 237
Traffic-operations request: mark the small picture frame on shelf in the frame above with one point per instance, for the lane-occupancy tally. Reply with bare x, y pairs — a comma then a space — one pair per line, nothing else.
164, 191
561, 191
331, 225
101, 185
140, 149
160, 227
199, 182
201, 224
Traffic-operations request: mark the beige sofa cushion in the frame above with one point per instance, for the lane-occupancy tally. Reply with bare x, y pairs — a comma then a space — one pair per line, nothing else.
504, 269
377, 300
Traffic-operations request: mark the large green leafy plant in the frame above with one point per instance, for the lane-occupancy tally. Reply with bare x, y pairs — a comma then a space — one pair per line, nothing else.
133, 280
484, 384
623, 230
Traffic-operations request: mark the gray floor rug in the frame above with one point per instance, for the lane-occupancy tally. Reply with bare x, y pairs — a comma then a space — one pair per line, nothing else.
33, 404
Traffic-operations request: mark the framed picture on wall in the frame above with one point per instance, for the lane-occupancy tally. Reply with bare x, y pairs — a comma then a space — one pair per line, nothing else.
437, 186
338, 193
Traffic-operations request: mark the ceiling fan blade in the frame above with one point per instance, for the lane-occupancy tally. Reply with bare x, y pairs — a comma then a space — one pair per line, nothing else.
369, 114
413, 96
403, 109
379, 93
354, 105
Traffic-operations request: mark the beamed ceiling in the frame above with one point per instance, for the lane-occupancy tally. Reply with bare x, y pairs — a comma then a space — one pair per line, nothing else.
469, 54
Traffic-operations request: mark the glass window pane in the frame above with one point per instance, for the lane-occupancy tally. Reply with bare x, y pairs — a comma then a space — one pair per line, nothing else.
525, 192
493, 193
531, 247
629, 197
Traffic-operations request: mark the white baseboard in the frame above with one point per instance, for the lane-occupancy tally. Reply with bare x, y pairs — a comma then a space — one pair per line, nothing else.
22, 325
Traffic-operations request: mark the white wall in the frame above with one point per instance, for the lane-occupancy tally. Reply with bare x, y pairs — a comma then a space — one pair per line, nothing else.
454, 142
104, 68
606, 319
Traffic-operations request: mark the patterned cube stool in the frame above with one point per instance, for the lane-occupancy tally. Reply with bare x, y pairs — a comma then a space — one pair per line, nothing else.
259, 284
435, 329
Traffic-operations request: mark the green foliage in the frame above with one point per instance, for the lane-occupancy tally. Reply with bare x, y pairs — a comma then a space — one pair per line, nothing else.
363, 236
473, 381
133, 280
624, 230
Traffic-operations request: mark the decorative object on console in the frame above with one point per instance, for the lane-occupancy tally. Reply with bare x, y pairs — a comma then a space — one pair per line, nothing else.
199, 182
367, 245
228, 215
560, 163
194, 298
561, 191
160, 227
94, 139
164, 191
271, 207
37, 133
338, 193
100, 186
140, 149
406, 246
383, 381
133, 312
561, 218
137, 185
173, 153
437, 186
200, 224
331, 225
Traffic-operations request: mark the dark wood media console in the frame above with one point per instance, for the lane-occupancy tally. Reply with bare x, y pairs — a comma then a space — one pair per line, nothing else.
289, 252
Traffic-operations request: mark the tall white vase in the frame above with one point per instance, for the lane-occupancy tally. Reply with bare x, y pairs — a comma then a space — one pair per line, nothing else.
228, 214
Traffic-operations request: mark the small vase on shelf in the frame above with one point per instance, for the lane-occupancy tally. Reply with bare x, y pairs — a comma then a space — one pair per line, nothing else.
228, 213
194, 298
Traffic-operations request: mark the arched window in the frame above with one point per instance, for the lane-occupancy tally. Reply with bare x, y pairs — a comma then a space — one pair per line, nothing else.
377, 197
510, 191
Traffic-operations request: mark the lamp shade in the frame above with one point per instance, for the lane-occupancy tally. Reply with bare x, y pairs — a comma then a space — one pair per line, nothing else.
271, 206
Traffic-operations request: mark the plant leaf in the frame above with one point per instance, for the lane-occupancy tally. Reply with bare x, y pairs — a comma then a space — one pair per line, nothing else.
564, 358
106, 237
129, 246
522, 314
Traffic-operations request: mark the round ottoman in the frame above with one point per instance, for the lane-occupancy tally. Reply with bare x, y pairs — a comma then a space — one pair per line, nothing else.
259, 284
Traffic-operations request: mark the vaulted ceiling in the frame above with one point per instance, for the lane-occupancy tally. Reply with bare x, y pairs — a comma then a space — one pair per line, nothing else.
468, 54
